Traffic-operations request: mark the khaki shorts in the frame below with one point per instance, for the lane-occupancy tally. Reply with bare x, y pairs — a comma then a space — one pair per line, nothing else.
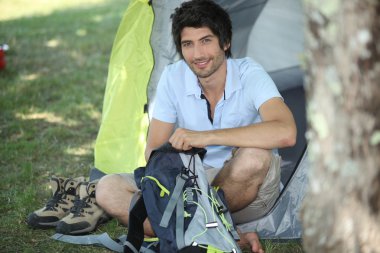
266, 197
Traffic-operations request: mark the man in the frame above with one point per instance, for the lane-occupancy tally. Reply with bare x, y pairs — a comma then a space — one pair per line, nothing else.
230, 107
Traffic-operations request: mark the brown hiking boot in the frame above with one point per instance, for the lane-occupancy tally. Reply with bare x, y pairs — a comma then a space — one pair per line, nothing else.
64, 191
85, 215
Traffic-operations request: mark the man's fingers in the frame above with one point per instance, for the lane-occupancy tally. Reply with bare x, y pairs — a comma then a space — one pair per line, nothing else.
183, 139
180, 144
186, 146
178, 140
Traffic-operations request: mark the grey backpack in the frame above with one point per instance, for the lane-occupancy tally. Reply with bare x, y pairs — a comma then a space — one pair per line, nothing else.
186, 213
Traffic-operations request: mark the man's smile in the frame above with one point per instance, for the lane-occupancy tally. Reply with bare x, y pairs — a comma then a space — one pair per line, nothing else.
201, 63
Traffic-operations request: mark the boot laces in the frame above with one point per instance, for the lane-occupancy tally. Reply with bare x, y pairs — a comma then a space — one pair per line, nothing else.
79, 206
54, 201
60, 197
82, 203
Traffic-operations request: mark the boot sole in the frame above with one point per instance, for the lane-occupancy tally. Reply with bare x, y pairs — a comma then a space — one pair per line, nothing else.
34, 223
86, 230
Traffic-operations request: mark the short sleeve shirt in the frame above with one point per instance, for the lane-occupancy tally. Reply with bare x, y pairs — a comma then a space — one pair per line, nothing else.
178, 100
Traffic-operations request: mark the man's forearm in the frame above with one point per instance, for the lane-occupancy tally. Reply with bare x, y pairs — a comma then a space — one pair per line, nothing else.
266, 135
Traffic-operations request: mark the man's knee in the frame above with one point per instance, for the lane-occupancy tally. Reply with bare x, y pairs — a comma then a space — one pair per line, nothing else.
251, 163
106, 191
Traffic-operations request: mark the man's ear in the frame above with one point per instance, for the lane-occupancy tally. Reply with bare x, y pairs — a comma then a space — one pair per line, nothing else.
227, 46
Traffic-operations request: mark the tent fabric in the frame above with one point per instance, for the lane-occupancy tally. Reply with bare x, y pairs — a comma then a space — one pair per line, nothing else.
276, 41
280, 24
283, 222
163, 46
120, 143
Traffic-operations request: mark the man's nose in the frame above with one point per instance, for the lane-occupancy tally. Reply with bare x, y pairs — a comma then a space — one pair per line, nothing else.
198, 51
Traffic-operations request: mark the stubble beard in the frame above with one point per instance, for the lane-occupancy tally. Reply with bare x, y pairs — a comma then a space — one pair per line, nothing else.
205, 73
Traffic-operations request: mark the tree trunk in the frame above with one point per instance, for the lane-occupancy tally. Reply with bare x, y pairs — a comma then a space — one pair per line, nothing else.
341, 211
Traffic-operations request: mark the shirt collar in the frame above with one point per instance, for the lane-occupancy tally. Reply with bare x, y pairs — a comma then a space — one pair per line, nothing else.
233, 82
191, 83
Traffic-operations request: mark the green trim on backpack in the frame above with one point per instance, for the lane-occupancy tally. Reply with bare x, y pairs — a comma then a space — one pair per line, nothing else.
163, 188
151, 239
211, 249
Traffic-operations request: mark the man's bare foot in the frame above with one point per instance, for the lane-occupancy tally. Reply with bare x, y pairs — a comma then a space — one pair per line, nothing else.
250, 240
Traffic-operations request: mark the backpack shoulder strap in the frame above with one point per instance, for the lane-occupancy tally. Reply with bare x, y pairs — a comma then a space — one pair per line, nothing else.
137, 216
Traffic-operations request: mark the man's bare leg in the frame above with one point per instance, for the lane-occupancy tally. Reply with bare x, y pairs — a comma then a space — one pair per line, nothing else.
114, 194
240, 179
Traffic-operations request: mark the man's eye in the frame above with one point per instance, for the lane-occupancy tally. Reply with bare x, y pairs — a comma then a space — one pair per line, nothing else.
205, 41
186, 44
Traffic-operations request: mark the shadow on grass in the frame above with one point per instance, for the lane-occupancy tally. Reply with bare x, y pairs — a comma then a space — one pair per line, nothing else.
52, 90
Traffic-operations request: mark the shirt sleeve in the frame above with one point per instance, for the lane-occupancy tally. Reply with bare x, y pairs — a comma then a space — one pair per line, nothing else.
164, 105
259, 86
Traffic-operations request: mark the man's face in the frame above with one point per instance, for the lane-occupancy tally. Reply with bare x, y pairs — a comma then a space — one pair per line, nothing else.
201, 51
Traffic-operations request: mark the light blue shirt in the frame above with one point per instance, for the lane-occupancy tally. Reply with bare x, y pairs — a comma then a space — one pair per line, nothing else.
178, 100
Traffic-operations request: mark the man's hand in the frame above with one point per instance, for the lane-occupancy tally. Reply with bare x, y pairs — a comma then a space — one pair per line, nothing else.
184, 139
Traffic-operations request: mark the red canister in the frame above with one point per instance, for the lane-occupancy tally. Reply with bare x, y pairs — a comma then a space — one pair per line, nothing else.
2, 59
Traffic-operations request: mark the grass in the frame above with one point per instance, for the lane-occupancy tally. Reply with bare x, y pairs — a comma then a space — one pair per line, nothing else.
51, 96
51, 99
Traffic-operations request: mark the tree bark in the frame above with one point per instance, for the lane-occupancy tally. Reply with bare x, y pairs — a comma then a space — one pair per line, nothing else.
341, 211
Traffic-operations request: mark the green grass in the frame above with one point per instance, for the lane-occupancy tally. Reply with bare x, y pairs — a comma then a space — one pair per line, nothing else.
50, 103
51, 96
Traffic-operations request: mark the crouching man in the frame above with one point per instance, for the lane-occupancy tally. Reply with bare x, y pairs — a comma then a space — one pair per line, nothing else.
229, 106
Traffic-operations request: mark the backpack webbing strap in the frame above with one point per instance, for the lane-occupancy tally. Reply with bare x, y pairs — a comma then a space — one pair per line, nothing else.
180, 182
102, 240
97, 240
179, 230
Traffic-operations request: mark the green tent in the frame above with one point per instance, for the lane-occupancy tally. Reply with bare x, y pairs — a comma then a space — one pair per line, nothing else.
121, 139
